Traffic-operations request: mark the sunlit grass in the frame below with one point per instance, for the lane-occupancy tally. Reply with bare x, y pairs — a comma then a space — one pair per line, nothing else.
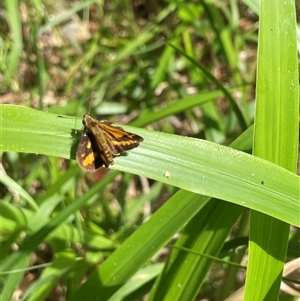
167, 68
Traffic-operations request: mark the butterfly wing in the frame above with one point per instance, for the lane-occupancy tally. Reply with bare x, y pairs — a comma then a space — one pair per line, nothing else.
87, 155
118, 139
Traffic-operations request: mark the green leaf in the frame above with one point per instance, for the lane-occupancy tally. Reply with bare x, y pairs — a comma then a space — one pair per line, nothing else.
275, 139
192, 164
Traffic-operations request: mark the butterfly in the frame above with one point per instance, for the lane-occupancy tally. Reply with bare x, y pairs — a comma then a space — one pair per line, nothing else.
100, 142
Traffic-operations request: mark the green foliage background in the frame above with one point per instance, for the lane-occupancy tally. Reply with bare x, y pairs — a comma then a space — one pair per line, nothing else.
190, 78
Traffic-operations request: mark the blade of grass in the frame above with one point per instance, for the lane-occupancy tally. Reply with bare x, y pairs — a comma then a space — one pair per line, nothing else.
65, 15
192, 164
220, 86
225, 34
177, 107
14, 20
8, 182
275, 139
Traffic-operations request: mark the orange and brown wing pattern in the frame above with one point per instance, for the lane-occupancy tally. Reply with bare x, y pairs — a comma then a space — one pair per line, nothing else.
100, 142
87, 155
118, 139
